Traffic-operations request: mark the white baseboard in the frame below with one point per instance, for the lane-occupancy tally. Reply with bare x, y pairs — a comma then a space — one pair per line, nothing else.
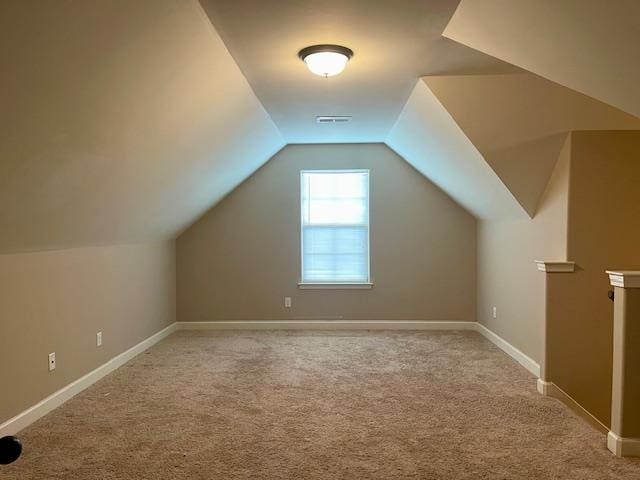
26, 418
328, 325
543, 387
500, 342
56, 399
520, 357
550, 389
623, 447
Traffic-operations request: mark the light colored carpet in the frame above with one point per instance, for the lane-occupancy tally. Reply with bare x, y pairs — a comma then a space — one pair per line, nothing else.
317, 405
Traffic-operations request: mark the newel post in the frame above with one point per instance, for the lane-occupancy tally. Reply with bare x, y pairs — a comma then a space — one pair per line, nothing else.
624, 437
550, 268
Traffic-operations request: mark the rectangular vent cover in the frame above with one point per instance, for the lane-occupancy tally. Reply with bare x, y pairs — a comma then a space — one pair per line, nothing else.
333, 119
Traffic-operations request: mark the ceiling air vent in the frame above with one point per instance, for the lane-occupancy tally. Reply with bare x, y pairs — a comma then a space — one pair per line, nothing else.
333, 119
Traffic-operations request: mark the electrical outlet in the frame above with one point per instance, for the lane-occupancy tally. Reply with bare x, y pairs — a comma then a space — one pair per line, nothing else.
52, 361
287, 302
99, 339
495, 312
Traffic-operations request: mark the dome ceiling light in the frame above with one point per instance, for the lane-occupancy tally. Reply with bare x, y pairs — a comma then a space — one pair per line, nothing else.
326, 60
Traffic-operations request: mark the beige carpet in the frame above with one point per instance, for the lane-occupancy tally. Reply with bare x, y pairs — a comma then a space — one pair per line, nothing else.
317, 405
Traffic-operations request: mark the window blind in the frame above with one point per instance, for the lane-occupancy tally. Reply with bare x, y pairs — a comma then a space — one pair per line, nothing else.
335, 226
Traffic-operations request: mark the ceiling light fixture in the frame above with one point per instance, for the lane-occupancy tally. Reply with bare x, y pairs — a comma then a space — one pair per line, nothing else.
326, 60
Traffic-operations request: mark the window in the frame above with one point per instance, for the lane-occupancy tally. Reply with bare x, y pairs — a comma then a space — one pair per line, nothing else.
335, 226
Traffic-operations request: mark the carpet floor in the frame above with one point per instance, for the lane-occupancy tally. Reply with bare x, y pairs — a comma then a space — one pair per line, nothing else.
317, 405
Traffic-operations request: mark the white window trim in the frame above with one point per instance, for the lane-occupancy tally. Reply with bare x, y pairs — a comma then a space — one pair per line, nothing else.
334, 286
337, 285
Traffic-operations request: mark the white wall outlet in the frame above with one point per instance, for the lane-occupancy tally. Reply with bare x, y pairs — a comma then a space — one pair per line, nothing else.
494, 312
52, 361
99, 339
287, 302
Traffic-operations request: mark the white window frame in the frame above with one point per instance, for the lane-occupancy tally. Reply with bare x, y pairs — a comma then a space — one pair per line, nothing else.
336, 285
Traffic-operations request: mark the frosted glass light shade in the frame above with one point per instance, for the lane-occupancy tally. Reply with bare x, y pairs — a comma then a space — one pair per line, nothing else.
326, 64
326, 60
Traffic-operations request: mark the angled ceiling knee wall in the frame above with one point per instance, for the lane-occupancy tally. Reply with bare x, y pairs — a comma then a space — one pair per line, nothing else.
588, 46
492, 141
427, 137
519, 122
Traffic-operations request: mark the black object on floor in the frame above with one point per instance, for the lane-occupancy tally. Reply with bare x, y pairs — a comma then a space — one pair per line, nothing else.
10, 450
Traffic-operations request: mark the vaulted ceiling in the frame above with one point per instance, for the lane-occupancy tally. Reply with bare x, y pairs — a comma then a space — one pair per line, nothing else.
394, 44
519, 122
591, 46
427, 137
123, 122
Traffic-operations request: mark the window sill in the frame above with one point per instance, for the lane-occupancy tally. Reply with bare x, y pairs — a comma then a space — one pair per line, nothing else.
335, 286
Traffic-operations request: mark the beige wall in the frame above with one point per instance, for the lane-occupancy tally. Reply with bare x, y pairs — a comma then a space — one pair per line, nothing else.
242, 258
604, 233
507, 276
588, 215
58, 301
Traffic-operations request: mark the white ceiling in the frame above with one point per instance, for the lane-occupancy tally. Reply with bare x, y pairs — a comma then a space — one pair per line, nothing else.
395, 42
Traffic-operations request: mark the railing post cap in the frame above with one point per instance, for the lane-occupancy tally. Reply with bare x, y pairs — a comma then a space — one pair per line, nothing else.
556, 267
624, 278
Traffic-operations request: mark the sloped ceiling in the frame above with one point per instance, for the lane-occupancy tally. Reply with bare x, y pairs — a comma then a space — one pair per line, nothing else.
394, 43
121, 122
518, 122
427, 137
591, 46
